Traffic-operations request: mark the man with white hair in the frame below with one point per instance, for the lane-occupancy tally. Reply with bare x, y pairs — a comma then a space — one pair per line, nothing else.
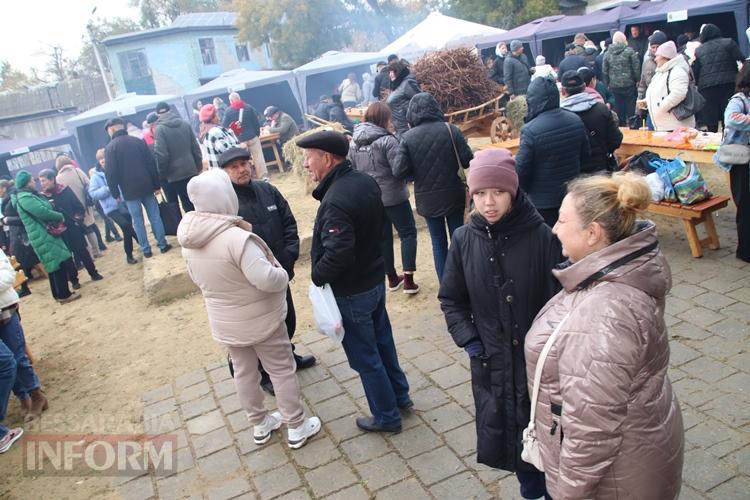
243, 120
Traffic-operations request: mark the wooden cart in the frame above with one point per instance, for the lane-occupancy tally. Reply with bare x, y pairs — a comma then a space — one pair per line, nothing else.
487, 119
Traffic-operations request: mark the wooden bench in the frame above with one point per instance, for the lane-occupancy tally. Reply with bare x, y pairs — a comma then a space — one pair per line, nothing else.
691, 216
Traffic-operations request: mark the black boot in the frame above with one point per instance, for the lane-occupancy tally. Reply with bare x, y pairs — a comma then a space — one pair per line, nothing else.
265, 383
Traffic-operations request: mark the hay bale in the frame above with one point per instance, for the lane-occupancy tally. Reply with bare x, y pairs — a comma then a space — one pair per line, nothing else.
456, 78
516, 111
293, 154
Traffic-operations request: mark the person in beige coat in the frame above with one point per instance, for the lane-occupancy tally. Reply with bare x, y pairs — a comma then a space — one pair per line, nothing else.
244, 289
668, 88
607, 421
71, 176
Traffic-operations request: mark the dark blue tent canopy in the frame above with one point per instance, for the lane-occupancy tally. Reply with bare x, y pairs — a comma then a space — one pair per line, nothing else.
525, 33
13, 148
651, 12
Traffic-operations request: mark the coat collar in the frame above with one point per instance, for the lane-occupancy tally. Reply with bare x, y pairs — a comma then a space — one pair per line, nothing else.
339, 170
635, 260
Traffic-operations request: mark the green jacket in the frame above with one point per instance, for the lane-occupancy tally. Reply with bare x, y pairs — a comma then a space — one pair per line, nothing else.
36, 212
621, 68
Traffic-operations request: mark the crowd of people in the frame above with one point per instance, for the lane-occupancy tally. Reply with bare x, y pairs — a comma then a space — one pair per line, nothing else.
548, 278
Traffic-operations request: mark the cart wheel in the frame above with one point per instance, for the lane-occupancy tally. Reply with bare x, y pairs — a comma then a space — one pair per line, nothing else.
500, 130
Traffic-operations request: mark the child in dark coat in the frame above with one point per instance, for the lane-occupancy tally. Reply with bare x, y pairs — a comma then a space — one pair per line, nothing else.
497, 278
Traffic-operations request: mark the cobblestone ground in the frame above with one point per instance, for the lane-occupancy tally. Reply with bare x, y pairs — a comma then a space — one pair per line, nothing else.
708, 313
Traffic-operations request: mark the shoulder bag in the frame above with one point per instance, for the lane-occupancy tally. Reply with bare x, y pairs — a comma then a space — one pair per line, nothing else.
53, 228
735, 154
461, 175
87, 199
693, 101
530, 453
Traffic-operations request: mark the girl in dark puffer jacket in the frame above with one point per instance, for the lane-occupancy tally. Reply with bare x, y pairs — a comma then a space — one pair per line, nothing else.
497, 278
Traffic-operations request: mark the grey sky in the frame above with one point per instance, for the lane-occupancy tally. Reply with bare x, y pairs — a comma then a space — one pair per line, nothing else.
31, 26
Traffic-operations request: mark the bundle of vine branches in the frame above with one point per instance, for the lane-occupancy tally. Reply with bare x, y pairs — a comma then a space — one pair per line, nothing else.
456, 78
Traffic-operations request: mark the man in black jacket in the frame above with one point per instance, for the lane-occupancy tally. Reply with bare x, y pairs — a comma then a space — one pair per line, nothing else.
263, 206
382, 81
131, 176
516, 70
554, 142
601, 123
346, 254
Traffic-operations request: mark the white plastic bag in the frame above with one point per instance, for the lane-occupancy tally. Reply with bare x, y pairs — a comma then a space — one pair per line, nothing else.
656, 185
326, 312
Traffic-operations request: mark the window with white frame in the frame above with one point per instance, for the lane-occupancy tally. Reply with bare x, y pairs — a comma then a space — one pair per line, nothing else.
134, 64
208, 51
243, 54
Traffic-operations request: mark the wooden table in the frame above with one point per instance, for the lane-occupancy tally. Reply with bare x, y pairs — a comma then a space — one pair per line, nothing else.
638, 141
271, 141
357, 113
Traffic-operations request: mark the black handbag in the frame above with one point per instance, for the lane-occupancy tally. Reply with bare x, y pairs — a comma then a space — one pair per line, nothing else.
692, 103
170, 217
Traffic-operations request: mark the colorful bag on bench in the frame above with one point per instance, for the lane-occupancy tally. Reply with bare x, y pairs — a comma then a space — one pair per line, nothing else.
683, 182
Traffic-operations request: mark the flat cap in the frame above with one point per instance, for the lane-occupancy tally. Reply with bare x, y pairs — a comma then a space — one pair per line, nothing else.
113, 121
232, 154
326, 140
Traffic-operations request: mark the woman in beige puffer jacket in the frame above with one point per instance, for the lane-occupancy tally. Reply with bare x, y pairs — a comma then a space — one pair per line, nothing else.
244, 288
608, 424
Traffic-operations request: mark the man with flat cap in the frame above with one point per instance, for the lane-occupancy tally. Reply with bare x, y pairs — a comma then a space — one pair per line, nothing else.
131, 175
263, 206
346, 254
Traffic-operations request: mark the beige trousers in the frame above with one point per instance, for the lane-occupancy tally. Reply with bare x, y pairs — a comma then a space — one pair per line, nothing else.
256, 151
276, 355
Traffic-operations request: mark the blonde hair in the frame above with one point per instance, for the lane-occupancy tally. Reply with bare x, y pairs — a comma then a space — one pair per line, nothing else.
612, 202
99, 153
61, 161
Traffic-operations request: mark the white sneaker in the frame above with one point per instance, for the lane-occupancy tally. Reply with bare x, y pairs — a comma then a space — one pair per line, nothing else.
262, 432
11, 437
299, 436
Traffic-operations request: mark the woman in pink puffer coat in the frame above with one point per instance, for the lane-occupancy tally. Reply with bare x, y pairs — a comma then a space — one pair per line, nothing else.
608, 424
244, 289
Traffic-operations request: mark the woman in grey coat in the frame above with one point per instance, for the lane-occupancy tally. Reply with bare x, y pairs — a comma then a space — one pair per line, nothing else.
373, 151
403, 87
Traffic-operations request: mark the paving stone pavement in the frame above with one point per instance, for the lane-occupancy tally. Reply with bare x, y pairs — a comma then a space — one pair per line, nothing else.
708, 314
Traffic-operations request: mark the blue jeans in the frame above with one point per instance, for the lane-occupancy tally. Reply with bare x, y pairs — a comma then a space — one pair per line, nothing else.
368, 343
152, 211
11, 334
7, 379
402, 217
436, 226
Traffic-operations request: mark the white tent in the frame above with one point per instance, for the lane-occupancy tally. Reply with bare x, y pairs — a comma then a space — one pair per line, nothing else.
88, 127
439, 32
259, 88
324, 74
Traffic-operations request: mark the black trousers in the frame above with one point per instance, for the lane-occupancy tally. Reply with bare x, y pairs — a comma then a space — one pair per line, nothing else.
739, 181
179, 191
58, 280
128, 233
624, 103
76, 241
717, 98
